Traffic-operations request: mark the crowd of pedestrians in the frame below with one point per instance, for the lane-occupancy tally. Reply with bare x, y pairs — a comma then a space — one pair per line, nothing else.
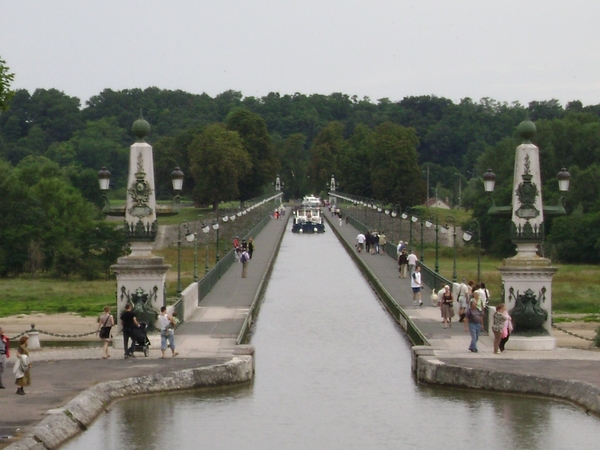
373, 242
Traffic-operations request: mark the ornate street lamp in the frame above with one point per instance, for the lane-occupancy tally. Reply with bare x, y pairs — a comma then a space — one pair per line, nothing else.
467, 236
195, 234
405, 215
428, 223
452, 220
394, 214
215, 226
205, 230
185, 224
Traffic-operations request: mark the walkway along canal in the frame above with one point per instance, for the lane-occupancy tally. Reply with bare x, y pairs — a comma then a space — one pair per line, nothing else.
333, 372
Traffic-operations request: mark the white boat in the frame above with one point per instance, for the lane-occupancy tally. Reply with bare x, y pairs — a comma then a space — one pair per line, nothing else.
308, 218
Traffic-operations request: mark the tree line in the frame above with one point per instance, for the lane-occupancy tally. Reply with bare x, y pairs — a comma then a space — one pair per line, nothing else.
233, 147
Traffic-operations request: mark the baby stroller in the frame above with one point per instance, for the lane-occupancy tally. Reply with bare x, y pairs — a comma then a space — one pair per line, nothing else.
141, 341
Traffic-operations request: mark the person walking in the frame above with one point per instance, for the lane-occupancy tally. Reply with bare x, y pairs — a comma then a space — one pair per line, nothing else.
402, 264
382, 242
447, 307
250, 247
416, 285
463, 298
412, 262
360, 242
506, 330
129, 323
498, 326
4, 353
22, 367
473, 321
166, 325
244, 259
105, 324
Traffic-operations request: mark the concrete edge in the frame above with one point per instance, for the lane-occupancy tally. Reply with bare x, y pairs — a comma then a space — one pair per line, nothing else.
429, 369
412, 331
80, 412
254, 306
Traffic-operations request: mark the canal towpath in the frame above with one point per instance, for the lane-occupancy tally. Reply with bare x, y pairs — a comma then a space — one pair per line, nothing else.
449, 346
207, 339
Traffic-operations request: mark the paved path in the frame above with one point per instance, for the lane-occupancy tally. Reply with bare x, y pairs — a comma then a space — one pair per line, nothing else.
452, 344
208, 338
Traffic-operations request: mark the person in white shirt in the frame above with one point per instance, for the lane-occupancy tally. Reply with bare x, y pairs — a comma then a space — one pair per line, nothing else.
360, 239
412, 262
166, 324
416, 285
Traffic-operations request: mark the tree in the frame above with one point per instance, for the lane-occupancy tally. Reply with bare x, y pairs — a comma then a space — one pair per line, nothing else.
218, 163
395, 172
256, 140
324, 154
5, 79
355, 161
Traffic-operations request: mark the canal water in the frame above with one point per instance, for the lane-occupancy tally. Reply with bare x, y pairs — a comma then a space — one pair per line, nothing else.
333, 372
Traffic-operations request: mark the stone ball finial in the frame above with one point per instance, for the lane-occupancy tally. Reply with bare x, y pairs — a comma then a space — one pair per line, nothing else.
526, 130
141, 128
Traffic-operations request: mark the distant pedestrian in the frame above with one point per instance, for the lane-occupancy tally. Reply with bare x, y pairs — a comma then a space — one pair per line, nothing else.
244, 259
360, 242
130, 324
166, 325
506, 330
250, 247
473, 321
22, 367
402, 264
376, 242
498, 326
447, 307
463, 299
368, 240
4, 353
382, 242
347, 219
401, 246
341, 220
412, 262
105, 324
416, 285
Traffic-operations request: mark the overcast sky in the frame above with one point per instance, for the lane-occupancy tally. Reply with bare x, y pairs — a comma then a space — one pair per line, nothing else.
506, 50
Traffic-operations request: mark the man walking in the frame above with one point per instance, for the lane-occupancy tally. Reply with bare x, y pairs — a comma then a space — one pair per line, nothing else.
129, 323
412, 262
416, 285
360, 242
245, 260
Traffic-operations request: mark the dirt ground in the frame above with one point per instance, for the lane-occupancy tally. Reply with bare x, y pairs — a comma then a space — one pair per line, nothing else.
73, 324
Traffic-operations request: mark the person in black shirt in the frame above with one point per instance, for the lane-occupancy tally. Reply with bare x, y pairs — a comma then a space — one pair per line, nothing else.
130, 323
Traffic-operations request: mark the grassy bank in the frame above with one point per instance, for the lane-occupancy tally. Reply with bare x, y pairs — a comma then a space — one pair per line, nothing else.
575, 290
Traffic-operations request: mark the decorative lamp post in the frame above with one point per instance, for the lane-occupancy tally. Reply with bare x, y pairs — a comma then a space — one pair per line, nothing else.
527, 277
452, 220
201, 217
405, 215
428, 223
467, 236
205, 230
393, 215
185, 224
215, 226
422, 253
177, 179
379, 209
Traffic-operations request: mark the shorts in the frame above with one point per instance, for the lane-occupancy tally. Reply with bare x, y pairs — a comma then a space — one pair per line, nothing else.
416, 290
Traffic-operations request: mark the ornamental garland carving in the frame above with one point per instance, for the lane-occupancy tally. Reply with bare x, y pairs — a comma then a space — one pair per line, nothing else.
527, 192
140, 192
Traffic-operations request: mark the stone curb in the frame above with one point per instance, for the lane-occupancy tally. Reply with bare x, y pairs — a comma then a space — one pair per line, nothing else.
78, 414
429, 369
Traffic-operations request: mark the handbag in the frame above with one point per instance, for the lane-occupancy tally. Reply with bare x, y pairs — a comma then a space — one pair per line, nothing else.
105, 331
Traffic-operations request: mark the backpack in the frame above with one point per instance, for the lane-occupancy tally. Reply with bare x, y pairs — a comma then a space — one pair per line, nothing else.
244, 257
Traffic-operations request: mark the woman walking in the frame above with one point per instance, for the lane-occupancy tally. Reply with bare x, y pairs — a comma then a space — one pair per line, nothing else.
447, 307
506, 330
105, 323
498, 325
473, 321
166, 324
22, 367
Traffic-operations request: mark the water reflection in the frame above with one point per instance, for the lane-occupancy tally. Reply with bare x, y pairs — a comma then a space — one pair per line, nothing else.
333, 372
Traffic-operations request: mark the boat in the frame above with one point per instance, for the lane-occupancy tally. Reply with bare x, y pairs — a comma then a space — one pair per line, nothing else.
308, 218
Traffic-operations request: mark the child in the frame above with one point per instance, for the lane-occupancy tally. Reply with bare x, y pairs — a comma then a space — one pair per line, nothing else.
498, 326
21, 370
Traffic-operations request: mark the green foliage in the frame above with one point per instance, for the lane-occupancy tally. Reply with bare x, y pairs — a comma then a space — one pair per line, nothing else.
324, 154
263, 166
5, 79
218, 164
576, 238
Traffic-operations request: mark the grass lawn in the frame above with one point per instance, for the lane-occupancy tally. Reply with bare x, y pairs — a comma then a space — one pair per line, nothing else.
575, 290
574, 287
